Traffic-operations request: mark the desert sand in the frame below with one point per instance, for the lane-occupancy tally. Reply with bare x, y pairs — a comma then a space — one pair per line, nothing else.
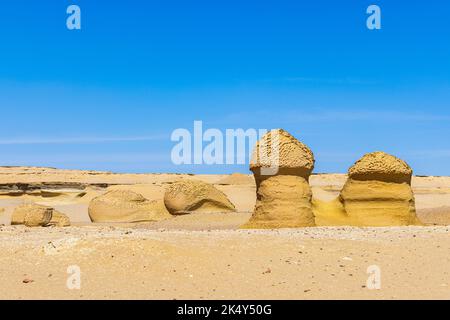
206, 255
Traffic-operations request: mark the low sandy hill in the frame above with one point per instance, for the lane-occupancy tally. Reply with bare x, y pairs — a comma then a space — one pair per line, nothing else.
237, 179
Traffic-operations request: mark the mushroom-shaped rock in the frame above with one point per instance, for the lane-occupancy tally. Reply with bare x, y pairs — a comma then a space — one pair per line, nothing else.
32, 215
189, 196
281, 165
378, 192
381, 166
125, 206
278, 152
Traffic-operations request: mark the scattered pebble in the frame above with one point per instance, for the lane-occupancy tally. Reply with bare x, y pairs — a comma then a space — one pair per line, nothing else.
347, 259
267, 271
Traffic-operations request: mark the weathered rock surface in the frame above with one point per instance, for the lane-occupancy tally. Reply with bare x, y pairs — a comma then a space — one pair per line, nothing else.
281, 166
189, 196
378, 192
125, 206
32, 215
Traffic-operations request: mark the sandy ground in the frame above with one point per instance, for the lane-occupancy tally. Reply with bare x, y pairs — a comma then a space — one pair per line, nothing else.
124, 263
206, 256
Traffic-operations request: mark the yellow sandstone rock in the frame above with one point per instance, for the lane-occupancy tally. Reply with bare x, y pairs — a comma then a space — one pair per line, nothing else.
59, 219
31, 215
377, 193
125, 206
281, 165
189, 196
35, 215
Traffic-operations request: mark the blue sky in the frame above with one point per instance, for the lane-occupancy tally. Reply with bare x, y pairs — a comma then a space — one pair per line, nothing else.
107, 97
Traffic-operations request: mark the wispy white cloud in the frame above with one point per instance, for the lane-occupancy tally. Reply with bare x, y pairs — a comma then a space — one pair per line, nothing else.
323, 81
427, 154
297, 116
373, 115
331, 81
79, 140
59, 159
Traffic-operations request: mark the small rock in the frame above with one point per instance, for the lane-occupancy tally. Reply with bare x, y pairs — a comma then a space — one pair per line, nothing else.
347, 259
267, 271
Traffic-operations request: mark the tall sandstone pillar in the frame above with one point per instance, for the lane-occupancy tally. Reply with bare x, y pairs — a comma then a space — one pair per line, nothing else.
281, 165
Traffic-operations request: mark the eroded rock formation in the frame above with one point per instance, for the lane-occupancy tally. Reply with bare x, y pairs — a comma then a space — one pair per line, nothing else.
125, 206
378, 192
34, 215
59, 219
188, 196
281, 166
